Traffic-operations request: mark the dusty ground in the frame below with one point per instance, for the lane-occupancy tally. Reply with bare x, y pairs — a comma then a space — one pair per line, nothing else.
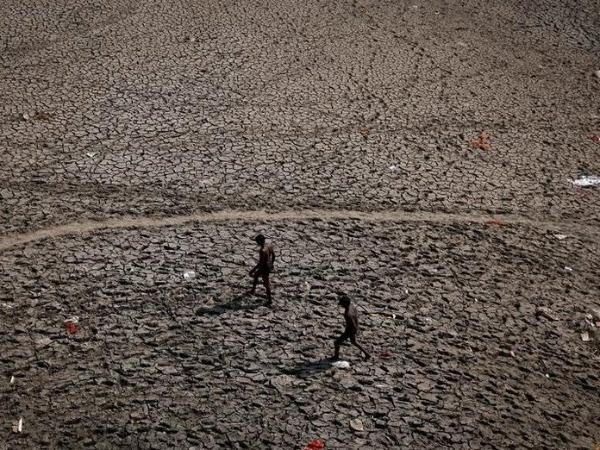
139, 140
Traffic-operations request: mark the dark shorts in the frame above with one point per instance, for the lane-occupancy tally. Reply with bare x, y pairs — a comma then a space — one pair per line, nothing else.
347, 334
264, 274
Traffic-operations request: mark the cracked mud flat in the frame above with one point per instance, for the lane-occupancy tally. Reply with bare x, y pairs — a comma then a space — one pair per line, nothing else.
160, 361
154, 135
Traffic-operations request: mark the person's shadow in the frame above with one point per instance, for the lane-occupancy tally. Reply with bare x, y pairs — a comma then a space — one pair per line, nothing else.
308, 368
239, 302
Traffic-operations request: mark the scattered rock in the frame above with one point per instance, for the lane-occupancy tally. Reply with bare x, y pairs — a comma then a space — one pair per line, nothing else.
597, 73
357, 425
545, 312
43, 342
281, 381
42, 115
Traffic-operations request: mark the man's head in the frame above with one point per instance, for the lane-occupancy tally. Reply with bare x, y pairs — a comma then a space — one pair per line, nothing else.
260, 239
344, 300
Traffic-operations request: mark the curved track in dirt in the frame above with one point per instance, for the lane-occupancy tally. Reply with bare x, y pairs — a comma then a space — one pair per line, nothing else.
323, 214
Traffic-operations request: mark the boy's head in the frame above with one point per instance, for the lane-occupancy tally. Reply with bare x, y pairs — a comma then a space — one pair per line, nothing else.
344, 300
260, 239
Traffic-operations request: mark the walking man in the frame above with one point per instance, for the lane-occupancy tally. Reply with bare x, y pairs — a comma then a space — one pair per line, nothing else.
351, 331
266, 259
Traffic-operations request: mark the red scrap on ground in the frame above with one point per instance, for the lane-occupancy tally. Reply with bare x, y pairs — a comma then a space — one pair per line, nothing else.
481, 142
70, 327
594, 137
496, 222
315, 444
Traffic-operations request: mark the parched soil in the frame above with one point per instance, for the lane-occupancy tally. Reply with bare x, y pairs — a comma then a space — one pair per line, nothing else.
141, 140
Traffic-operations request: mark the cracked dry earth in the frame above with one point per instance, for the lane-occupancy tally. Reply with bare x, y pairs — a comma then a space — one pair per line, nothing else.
142, 139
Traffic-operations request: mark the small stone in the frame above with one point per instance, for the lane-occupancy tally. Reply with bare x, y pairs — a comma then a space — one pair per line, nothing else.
545, 312
357, 425
44, 342
597, 73
560, 237
281, 381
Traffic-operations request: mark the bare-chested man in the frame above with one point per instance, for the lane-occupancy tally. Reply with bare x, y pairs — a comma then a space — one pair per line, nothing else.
351, 331
266, 259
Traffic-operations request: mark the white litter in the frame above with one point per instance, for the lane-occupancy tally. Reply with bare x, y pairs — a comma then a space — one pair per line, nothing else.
91, 154
341, 364
585, 337
561, 237
392, 168
74, 319
18, 426
568, 269
189, 274
587, 181
12, 379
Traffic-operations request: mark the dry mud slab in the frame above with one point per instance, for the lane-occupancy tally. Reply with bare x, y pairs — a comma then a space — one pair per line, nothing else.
121, 112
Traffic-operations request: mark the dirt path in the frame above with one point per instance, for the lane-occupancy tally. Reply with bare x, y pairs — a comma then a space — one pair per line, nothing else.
231, 215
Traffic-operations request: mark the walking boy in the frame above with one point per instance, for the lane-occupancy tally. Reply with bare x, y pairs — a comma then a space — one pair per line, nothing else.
266, 259
351, 330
